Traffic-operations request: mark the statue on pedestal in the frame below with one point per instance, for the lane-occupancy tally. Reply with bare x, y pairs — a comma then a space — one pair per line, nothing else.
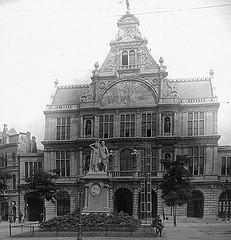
99, 157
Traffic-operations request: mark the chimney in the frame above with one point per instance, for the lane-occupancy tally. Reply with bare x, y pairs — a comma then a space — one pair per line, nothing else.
28, 142
4, 135
33, 145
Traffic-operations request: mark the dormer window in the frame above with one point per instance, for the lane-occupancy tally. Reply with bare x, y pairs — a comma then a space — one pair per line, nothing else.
128, 58
132, 57
124, 58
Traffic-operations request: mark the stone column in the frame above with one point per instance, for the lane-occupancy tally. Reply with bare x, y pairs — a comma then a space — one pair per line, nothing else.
117, 125
81, 126
80, 161
96, 127
111, 197
135, 202
138, 123
174, 127
160, 124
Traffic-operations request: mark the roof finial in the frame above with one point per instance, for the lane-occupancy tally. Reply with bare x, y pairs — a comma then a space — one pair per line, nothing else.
128, 5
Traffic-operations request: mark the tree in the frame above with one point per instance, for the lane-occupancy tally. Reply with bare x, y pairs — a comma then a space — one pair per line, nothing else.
176, 187
40, 186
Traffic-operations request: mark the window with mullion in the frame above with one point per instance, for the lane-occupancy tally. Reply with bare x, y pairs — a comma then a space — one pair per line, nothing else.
127, 125
63, 128
106, 126
196, 122
63, 163
148, 125
226, 166
196, 160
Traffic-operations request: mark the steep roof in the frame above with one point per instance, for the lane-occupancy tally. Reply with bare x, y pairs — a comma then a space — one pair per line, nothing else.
67, 95
193, 88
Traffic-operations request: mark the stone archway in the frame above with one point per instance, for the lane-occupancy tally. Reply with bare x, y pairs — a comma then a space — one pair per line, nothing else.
195, 207
123, 201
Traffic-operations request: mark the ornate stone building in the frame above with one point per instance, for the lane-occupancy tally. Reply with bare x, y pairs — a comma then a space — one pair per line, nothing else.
144, 118
17, 152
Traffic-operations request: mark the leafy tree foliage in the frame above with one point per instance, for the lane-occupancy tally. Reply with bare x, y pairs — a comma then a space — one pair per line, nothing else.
40, 185
176, 187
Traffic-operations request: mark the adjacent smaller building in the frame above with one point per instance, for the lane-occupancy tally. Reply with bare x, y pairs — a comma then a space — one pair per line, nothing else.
19, 159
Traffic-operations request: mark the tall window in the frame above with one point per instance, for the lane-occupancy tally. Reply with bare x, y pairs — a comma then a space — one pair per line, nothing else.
106, 126
149, 125
14, 182
132, 57
226, 166
14, 158
63, 128
63, 163
196, 123
124, 58
63, 203
127, 125
196, 160
154, 162
26, 169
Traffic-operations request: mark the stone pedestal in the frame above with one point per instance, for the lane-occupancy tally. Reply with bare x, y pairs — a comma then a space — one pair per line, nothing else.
96, 193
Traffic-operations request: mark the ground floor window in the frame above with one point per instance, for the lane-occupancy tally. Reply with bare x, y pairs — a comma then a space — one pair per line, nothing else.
63, 203
224, 205
195, 207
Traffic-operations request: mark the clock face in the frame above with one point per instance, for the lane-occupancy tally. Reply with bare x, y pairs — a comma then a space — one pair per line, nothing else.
95, 190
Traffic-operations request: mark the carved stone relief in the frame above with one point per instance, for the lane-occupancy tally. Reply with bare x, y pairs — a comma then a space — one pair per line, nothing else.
128, 93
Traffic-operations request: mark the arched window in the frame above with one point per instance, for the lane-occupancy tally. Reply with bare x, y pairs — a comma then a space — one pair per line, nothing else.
167, 125
63, 203
88, 128
132, 57
124, 58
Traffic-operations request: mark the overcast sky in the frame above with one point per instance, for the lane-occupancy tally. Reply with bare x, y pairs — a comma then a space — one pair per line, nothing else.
44, 40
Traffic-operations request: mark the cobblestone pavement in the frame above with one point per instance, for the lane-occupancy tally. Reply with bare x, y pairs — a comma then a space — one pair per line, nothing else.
221, 231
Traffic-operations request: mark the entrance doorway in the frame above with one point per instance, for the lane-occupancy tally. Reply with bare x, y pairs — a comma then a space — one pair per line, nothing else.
126, 161
34, 209
5, 211
123, 201
195, 206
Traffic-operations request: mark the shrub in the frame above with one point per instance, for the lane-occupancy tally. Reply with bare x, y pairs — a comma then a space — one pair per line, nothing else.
90, 221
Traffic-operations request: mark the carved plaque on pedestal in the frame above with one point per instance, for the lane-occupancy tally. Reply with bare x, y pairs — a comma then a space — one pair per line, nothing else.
96, 193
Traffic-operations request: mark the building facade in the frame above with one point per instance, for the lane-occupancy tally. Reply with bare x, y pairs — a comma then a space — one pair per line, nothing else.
145, 119
15, 148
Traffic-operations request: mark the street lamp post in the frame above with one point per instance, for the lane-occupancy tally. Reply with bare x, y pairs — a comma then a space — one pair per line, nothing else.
80, 184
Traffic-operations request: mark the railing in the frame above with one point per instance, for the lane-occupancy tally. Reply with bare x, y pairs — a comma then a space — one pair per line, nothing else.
199, 100
24, 228
128, 66
130, 174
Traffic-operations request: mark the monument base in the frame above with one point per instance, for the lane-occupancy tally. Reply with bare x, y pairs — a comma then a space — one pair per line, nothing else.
96, 193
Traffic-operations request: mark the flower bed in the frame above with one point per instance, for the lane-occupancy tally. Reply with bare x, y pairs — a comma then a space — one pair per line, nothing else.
92, 221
